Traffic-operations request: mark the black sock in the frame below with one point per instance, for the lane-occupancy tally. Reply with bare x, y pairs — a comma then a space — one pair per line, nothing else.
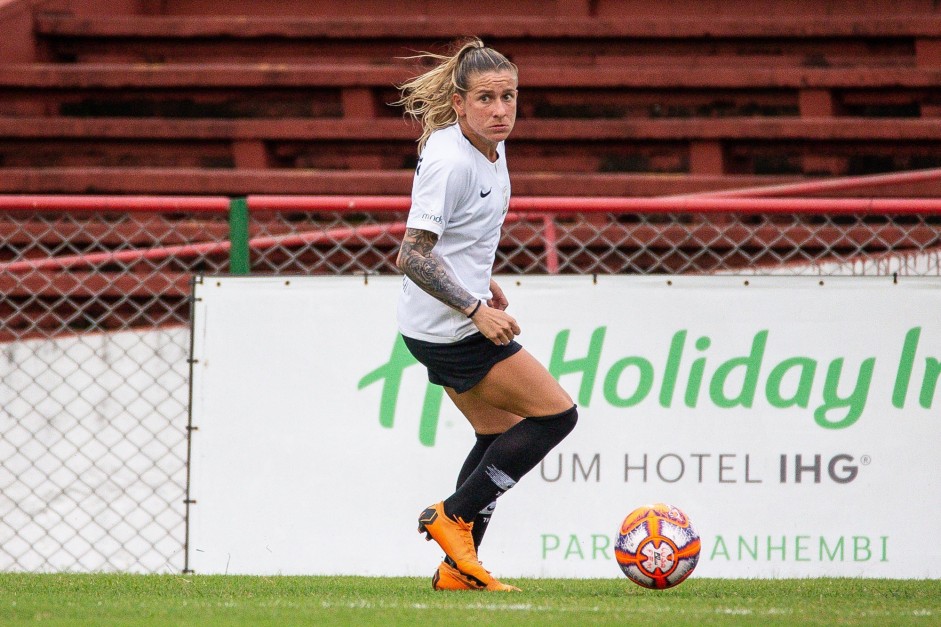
507, 459
482, 519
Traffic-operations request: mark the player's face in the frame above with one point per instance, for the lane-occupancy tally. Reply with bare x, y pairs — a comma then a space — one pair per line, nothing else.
487, 112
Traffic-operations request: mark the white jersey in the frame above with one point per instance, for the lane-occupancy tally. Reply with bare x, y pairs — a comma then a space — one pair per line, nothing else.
462, 197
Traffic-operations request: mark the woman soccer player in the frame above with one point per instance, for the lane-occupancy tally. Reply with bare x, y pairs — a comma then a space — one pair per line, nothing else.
452, 314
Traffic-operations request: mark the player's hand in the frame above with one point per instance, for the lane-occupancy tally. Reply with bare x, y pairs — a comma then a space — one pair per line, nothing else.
497, 326
498, 298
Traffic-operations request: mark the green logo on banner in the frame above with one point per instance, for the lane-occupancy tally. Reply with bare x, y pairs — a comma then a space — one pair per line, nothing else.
836, 392
390, 373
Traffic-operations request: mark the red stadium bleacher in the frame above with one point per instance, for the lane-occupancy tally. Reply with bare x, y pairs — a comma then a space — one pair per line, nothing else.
207, 97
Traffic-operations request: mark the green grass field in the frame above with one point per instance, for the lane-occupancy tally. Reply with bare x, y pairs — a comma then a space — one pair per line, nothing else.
229, 600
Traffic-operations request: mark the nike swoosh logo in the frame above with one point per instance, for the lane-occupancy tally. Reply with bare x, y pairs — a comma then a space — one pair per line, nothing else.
483, 195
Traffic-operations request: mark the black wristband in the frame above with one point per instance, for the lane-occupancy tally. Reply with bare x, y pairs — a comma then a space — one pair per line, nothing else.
471, 314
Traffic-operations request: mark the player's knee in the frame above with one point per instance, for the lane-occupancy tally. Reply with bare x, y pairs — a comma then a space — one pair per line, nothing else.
561, 424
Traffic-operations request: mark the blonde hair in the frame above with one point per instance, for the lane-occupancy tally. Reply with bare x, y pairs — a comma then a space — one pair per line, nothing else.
427, 97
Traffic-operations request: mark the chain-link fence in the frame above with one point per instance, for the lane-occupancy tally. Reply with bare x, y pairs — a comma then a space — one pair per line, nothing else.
95, 336
93, 387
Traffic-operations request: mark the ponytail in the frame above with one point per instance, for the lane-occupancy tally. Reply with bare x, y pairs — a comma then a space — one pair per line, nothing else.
427, 98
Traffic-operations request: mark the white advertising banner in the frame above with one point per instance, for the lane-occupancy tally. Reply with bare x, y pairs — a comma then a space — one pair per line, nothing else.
794, 419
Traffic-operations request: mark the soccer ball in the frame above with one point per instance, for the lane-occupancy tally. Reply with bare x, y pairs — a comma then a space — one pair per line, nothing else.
657, 546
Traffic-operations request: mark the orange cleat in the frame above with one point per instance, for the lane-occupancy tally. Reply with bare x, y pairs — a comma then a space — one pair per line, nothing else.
449, 578
454, 537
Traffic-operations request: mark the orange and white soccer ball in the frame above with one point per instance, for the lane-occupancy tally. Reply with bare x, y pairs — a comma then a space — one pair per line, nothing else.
657, 547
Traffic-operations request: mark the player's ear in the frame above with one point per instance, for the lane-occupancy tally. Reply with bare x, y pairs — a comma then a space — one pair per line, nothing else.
457, 103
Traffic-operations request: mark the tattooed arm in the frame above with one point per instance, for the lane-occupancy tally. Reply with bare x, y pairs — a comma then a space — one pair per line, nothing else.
425, 270
421, 266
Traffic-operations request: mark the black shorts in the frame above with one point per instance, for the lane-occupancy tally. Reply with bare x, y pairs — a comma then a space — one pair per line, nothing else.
462, 364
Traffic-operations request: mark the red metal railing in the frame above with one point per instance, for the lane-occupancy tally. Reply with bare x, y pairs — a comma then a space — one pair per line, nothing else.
124, 204
759, 200
827, 185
